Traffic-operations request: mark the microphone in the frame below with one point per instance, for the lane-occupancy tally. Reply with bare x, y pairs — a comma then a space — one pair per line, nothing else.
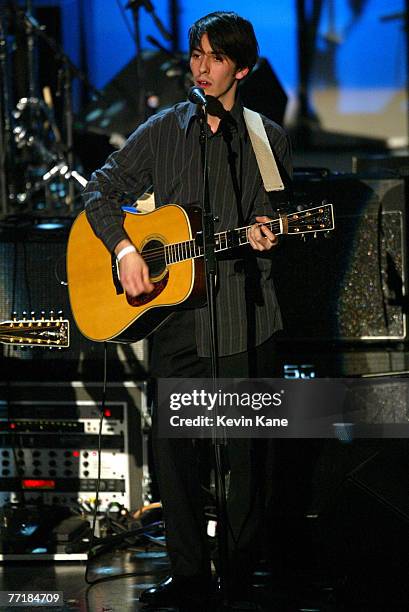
197, 96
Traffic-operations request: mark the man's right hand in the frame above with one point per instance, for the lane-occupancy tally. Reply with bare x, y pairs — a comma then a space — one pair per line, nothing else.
133, 272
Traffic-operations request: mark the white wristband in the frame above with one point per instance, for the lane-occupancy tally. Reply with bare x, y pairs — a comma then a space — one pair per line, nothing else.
125, 251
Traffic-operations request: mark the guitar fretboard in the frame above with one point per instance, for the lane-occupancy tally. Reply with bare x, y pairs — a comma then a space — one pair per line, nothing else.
190, 249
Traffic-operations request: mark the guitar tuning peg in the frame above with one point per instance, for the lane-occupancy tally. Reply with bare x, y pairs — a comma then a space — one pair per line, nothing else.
42, 314
315, 234
51, 315
24, 314
303, 238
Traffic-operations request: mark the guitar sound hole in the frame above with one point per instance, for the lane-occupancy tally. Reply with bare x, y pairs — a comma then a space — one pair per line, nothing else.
154, 254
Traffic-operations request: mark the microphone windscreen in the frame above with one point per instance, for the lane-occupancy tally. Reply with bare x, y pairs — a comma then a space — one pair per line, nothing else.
197, 95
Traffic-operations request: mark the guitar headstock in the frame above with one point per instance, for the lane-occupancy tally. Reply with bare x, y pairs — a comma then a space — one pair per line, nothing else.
51, 332
313, 220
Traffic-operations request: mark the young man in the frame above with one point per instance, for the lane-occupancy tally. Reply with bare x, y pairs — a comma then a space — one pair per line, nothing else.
165, 152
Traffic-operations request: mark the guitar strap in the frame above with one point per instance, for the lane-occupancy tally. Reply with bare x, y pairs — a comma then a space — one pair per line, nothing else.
262, 149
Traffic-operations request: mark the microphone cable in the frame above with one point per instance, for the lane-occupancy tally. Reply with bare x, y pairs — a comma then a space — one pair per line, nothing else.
103, 543
101, 420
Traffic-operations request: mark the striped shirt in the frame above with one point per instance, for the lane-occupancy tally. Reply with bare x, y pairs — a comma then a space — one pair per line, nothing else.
164, 153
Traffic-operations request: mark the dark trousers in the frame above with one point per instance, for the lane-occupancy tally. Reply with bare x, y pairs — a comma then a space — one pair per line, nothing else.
177, 461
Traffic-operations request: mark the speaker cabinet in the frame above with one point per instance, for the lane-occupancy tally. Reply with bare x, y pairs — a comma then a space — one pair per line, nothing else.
352, 286
33, 278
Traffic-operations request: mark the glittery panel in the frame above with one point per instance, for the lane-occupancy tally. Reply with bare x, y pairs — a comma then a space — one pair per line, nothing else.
381, 402
369, 301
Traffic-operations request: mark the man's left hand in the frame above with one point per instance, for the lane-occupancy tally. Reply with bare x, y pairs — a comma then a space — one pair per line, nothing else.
260, 237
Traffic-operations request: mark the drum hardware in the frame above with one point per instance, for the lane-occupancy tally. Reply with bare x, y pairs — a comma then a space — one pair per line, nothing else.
44, 161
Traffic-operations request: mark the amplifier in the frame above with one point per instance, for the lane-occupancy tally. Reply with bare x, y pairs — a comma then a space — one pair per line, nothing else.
33, 278
49, 436
351, 287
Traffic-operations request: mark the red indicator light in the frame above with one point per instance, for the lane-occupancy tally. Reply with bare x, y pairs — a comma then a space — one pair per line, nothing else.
107, 412
75, 453
12, 425
38, 484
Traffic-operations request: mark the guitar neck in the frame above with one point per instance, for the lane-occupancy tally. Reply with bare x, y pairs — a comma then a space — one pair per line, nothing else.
239, 236
313, 220
229, 239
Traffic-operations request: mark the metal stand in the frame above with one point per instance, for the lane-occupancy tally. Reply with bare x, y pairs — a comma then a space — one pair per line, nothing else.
219, 444
306, 34
135, 6
403, 16
407, 68
3, 119
29, 25
68, 131
63, 156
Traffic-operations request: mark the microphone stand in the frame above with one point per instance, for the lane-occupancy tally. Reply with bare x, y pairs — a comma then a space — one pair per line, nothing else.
5, 124
149, 8
218, 444
135, 5
31, 51
404, 16
69, 133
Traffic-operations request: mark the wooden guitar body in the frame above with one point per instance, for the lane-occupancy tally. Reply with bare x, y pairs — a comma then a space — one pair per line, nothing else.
102, 311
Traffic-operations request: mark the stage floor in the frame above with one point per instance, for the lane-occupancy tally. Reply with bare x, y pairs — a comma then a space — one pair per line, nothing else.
294, 593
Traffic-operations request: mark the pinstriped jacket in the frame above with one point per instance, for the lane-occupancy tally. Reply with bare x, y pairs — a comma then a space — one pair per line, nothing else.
165, 152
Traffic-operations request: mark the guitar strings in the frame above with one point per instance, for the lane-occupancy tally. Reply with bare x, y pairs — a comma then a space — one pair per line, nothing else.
151, 255
158, 253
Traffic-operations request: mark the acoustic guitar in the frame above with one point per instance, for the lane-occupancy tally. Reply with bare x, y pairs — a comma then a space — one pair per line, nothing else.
170, 241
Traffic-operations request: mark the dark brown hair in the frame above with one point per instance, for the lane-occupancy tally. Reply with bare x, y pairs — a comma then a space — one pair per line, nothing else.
229, 34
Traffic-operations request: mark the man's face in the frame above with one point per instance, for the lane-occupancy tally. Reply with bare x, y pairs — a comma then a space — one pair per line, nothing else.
216, 74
